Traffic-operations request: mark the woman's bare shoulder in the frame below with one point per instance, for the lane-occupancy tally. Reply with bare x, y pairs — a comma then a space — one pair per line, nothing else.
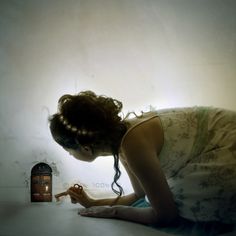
143, 132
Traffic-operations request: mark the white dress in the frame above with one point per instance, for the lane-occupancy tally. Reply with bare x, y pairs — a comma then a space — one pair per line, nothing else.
199, 160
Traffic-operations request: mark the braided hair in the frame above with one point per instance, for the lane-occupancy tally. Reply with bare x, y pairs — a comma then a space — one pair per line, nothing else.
92, 120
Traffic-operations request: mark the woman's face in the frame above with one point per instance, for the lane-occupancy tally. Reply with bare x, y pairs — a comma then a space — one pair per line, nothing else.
82, 153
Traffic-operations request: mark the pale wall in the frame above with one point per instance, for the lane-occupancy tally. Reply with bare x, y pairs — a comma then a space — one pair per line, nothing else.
143, 52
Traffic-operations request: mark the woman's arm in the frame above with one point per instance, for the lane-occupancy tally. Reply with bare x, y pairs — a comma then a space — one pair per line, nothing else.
140, 148
126, 200
140, 215
85, 200
137, 187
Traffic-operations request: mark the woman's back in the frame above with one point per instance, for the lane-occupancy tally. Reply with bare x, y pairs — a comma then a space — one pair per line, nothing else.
199, 160
198, 157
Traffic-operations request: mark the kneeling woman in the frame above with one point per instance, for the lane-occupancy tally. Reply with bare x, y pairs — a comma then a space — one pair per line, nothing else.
182, 160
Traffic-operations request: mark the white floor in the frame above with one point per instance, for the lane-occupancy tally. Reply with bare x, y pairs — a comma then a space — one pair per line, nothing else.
18, 219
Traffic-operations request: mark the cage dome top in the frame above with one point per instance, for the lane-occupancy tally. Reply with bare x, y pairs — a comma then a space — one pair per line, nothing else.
41, 168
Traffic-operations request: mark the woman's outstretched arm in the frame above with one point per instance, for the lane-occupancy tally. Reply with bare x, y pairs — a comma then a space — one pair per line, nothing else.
126, 200
86, 201
139, 215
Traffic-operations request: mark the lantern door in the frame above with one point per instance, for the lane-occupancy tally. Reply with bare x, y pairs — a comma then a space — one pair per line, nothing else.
41, 183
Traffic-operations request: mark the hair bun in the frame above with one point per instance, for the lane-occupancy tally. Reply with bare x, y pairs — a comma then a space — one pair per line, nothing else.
62, 100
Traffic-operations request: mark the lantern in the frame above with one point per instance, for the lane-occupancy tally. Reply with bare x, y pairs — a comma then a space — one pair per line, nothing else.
41, 183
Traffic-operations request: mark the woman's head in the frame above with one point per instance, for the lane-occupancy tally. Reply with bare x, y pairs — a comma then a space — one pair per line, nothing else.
88, 120
88, 123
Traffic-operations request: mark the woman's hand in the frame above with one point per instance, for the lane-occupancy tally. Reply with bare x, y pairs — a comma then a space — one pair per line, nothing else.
98, 211
80, 197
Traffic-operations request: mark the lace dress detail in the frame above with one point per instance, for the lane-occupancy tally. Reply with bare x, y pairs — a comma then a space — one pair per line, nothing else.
199, 160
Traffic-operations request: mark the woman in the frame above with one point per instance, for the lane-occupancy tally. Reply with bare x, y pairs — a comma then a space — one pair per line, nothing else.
182, 160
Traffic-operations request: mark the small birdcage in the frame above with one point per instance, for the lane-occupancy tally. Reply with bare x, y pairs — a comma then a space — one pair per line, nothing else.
41, 183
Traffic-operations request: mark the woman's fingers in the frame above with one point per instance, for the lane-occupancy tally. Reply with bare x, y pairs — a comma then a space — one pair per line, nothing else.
80, 197
74, 196
87, 211
73, 200
98, 211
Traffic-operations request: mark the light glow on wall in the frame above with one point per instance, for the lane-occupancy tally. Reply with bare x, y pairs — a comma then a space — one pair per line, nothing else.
144, 53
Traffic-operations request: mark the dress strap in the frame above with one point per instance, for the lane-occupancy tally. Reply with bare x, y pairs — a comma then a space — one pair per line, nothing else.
135, 125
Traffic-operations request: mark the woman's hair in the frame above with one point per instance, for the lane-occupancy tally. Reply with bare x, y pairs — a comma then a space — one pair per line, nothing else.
92, 120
